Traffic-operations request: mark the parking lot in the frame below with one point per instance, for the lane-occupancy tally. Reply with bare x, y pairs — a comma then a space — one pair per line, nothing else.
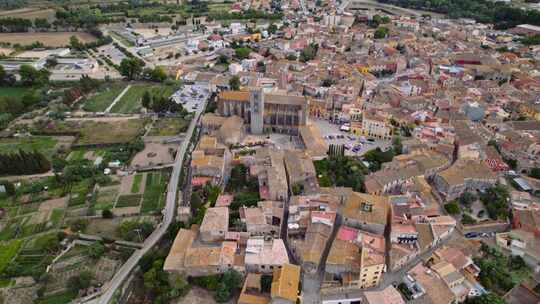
111, 52
354, 145
191, 97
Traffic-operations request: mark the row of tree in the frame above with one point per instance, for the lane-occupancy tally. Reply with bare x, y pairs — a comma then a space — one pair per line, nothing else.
24, 163
503, 15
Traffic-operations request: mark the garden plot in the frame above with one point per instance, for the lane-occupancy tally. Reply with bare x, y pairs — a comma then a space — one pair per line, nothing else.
75, 261
49, 212
154, 154
155, 189
106, 197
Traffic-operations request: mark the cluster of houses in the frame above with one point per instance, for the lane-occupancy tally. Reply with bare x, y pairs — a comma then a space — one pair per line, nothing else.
468, 116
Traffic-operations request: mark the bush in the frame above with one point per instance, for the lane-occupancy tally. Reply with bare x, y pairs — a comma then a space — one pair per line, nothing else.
82, 281
107, 214
452, 208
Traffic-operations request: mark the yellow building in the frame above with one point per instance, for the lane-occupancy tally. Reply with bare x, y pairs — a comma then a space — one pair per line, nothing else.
371, 270
285, 283
376, 126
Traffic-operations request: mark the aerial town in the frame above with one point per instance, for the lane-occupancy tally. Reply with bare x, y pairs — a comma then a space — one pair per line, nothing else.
269, 151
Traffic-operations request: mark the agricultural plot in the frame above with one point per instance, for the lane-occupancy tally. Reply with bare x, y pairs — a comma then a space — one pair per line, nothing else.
35, 255
169, 126
131, 101
79, 193
8, 251
103, 98
155, 188
106, 197
55, 39
123, 131
43, 144
137, 180
131, 200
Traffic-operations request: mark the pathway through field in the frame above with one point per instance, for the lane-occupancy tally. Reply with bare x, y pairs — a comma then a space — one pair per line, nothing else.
117, 99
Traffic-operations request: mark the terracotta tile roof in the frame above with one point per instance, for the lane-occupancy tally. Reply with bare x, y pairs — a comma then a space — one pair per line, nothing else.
285, 282
234, 95
366, 208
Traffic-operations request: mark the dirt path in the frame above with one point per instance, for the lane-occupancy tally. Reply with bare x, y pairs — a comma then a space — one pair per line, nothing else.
117, 98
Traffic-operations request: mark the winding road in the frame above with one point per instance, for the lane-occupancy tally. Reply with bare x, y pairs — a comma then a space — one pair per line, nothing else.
168, 214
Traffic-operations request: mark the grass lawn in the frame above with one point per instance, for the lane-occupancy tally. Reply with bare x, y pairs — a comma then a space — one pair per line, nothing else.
102, 99
136, 185
169, 127
59, 298
156, 184
43, 144
8, 251
130, 200
131, 101
111, 132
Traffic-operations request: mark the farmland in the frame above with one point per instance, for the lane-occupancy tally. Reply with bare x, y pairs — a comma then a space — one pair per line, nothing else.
102, 99
131, 101
30, 13
48, 39
111, 132
169, 127
43, 144
156, 184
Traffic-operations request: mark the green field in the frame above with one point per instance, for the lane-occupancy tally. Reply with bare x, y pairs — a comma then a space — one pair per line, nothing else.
169, 127
130, 200
156, 185
131, 101
59, 298
43, 144
101, 100
136, 186
13, 91
8, 251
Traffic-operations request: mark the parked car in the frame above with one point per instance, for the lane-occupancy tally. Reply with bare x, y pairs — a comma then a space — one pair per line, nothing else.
471, 235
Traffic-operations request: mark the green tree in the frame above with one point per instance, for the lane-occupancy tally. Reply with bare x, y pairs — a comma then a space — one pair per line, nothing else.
131, 68
467, 198
488, 298
3, 74
75, 43
96, 250
234, 83
79, 282
30, 76
535, 173
107, 214
158, 74
242, 52
309, 52
230, 282
381, 32
452, 208
147, 99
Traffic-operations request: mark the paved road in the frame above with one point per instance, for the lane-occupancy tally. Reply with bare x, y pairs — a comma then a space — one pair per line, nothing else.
168, 213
